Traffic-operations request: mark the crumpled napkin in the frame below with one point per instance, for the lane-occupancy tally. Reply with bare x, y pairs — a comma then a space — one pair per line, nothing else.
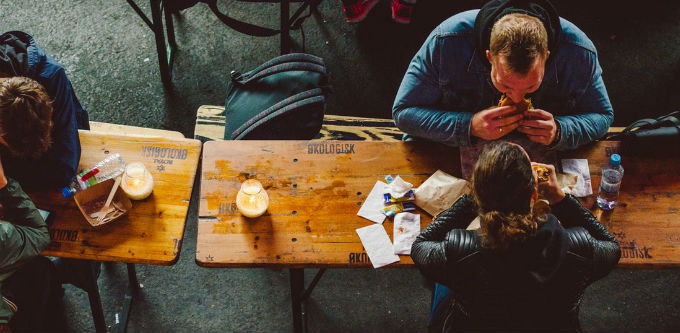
579, 167
372, 208
439, 192
406, 229
378, 246
399, 187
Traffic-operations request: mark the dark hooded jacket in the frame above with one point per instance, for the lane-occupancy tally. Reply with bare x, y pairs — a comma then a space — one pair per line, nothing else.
533, 286
20, 56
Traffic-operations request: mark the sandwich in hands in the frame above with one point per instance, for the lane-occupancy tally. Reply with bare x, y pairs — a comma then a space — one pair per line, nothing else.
522, 106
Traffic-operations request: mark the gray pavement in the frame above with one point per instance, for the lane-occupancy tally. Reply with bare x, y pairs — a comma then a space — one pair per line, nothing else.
110, 56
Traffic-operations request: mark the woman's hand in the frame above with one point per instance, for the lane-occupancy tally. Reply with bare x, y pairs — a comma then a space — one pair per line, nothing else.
550, 190
3, 179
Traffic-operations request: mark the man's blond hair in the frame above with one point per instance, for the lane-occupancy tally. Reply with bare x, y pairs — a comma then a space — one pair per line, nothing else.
520, 39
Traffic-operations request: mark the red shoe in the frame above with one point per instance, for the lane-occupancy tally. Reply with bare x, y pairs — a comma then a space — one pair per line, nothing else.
402, 11
356, 11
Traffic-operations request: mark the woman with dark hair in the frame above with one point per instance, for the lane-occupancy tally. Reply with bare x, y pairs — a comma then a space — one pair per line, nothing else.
518, 272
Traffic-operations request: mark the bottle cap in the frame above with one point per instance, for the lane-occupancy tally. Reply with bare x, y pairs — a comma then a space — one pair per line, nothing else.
615, 160
66, 192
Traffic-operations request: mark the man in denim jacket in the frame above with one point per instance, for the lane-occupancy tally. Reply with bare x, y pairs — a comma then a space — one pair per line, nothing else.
453, 84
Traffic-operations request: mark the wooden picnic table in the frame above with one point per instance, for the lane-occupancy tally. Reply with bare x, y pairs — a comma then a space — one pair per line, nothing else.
317, 187
152, 231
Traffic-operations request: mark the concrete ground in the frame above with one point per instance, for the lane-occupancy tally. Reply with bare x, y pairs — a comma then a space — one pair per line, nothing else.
110, 56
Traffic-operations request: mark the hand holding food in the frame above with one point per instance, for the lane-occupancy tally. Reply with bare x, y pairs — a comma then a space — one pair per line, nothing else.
539, 126
548, 187
495, 122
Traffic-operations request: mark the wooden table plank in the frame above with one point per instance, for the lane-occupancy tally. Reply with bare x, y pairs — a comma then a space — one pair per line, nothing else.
646, 220
153, 230
315, 190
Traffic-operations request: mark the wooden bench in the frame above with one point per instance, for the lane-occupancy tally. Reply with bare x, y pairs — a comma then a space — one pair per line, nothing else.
210, 120
106, 128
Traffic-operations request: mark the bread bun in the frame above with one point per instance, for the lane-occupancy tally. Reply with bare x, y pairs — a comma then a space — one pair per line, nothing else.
523, 105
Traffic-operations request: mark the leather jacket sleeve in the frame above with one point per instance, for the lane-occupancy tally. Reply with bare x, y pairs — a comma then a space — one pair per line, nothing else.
605, 248
429, 250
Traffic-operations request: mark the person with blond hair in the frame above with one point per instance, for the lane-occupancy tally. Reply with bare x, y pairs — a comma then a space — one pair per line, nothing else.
519, 50
520, 271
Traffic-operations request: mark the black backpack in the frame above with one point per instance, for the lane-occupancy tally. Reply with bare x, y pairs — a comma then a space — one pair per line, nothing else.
651, 136
284, 99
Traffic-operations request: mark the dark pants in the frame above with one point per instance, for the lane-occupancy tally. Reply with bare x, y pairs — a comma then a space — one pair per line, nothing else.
37, 294
441, 300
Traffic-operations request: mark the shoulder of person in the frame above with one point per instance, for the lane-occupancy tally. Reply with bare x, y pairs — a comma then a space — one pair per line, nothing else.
460, 244
574, 39
580, 242
461, 24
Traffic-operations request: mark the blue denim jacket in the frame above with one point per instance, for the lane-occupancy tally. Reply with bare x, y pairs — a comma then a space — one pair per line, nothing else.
447, 82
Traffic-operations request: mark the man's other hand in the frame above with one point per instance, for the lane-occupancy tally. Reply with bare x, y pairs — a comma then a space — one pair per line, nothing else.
539, 126
494, 123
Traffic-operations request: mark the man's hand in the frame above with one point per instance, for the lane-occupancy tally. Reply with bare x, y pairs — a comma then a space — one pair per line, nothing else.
494, 123
539, 126
550, 190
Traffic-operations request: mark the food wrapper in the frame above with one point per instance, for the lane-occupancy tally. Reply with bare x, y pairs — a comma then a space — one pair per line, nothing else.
409, 196
406, 229
378, 246
399, 207
439, 192
579, 167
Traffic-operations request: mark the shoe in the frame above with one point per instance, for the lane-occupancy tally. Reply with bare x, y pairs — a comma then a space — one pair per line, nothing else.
402, 11
355, 11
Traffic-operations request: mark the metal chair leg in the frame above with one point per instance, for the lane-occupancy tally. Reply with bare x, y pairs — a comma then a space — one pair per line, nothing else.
132, 291
93, 295
160, 41
285, 26
297, 286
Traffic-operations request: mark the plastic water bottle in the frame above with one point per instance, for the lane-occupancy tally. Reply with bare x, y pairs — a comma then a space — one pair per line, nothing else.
106, 169
610, 183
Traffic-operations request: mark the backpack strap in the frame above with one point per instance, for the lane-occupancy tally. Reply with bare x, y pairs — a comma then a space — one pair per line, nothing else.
293, 102
672, 119
237, 78
291, 57
242, 27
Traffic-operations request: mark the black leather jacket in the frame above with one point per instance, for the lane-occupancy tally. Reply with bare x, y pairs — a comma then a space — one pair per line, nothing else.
535, 286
